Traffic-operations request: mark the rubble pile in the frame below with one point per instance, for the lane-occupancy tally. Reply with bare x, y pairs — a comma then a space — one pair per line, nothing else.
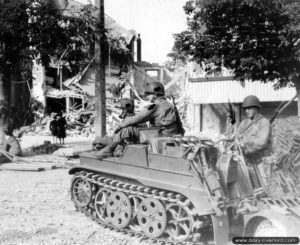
80, 122
46, 148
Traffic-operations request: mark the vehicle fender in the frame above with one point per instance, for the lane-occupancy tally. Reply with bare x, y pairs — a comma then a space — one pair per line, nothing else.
76, 169
289, 223
221, 228
226, 168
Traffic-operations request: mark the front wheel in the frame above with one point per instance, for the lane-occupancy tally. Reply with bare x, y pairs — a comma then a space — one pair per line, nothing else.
81, 192
264, 227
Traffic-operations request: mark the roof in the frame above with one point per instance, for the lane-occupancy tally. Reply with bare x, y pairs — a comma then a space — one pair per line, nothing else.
211, 92
115, 29
88, 85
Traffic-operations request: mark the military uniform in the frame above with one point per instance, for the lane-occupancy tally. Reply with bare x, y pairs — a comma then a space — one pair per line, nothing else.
254, 135
160, 114
127, 106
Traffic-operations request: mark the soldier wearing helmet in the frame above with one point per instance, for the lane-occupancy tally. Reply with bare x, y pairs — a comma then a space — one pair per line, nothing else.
127, 107
160, 113
254, 132
127, 110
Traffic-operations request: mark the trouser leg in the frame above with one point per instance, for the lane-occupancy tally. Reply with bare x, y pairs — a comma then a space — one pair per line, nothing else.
131, 133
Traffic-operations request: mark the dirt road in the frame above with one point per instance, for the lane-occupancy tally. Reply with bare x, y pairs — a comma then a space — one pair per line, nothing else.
35, 208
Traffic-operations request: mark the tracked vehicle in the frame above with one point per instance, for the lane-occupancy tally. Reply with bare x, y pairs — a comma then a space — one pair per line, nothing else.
180, 190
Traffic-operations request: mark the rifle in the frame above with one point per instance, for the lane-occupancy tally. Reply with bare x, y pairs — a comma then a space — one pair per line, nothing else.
281, 107
231, 112
178, 119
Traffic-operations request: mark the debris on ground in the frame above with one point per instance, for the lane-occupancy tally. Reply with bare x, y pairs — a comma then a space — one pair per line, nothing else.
20, 167
46, 148
72, 151
39, 163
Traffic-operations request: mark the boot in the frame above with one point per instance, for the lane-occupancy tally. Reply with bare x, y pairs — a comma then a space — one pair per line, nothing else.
101, 142
107, 151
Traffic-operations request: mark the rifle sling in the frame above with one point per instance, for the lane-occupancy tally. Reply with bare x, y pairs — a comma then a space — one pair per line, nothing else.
250, 125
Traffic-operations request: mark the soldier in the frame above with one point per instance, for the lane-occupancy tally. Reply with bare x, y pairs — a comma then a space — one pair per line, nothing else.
160, 113
127, 107
254, 133
127, 110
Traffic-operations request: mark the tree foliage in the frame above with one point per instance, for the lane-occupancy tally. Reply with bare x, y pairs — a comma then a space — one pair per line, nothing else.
33, 29
257, 40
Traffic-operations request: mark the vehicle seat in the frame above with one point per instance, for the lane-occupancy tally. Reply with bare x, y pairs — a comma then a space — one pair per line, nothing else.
148, 133
157, 145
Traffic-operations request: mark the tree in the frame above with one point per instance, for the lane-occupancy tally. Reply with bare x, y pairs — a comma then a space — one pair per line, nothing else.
35, 29
256, 40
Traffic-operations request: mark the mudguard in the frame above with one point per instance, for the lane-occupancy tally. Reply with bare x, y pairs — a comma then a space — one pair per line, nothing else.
288, 222
221, 229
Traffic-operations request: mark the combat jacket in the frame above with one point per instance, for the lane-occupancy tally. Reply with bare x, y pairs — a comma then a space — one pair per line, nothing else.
254, 136
160, 114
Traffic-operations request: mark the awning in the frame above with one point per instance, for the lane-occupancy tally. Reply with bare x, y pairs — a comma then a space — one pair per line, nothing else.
210, 92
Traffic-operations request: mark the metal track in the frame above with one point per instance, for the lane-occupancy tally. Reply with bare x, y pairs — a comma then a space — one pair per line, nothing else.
97, 181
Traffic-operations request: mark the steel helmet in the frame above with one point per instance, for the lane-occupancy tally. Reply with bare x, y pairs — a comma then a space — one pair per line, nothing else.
251, 101
126, 104
156, 88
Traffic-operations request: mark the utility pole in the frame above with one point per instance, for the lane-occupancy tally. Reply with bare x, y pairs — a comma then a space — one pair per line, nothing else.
2, 47
100, 100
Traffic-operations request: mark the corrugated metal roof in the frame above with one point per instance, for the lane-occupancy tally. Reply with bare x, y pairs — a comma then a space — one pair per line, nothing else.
208, 92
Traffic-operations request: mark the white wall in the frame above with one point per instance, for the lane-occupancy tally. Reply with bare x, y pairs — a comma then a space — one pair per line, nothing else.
211, 123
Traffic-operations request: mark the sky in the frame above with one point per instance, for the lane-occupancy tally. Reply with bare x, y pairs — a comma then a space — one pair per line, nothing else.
155, 20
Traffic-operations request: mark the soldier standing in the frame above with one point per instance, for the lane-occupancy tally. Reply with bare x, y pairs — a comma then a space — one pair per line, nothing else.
160, 113
254, 133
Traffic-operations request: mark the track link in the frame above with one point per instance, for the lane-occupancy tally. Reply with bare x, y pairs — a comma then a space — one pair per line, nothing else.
97, 181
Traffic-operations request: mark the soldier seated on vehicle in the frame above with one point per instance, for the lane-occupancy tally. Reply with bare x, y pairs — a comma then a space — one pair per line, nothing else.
127, 110
161, 113
253, 134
